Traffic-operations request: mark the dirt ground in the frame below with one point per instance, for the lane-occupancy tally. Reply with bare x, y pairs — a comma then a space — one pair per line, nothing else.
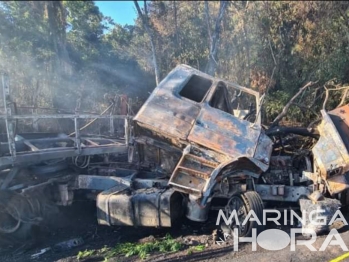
80, 220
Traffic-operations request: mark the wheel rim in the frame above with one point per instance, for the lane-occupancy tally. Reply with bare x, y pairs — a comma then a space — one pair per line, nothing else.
236, 203
8, 223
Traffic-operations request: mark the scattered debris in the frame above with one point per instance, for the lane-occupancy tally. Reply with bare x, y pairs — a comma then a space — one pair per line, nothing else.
42, 251
318, 224
62, 246
69, 244
195, 140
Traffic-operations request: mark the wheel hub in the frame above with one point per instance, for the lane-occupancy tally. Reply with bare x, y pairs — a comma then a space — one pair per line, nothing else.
237, 204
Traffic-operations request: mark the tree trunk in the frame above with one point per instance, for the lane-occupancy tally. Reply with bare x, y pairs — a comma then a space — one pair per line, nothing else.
214, 41
146, 26
247, 47
176, 28
61, 62
56, 18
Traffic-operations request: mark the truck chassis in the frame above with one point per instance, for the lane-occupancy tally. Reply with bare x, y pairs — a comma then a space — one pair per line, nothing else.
197, 141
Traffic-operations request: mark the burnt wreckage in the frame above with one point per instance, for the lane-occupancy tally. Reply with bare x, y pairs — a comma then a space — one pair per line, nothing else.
197, 142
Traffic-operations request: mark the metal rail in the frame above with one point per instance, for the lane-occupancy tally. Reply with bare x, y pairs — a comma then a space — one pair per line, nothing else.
16, 158
57, 116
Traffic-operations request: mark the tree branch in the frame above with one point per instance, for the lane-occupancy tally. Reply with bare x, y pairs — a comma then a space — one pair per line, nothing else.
271, 50
344, 96
335, 89
291, 102
208, 21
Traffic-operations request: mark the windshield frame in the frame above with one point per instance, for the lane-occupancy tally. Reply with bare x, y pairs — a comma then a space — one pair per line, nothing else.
230, 86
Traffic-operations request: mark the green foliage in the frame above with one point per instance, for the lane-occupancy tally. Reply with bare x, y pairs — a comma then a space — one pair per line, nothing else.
199, 248
142, 250
54, 50
298, 41
85, 254
195, 248
59, 46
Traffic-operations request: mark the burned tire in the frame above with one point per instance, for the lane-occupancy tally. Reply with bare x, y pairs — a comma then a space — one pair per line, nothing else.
13, 230
254, 202
19, 218
243, 204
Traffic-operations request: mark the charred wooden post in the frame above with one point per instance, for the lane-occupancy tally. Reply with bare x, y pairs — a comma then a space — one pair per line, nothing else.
9, 122
111, 120
127, 121
127, 133
35, 109
76, 124
77, 134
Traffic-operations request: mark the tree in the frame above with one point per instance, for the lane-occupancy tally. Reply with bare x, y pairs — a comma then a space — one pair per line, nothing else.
147, 27
214, 37
51, 50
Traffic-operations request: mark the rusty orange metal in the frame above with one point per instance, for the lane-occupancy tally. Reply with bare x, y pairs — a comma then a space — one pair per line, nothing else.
195, 109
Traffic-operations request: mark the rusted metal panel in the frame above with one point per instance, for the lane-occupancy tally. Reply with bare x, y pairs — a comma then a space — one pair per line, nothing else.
192, 172
164, 111
263, 151
327, 156
224, 133
330, 152
339, 183
195, 211
169, 114
342, 112
340, 119
152, 142
187, 182
167, 124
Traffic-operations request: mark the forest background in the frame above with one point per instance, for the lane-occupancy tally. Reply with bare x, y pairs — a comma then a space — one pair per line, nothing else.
56, 52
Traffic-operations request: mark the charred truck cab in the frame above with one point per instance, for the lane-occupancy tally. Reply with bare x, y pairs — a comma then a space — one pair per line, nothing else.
206, 133
205, 136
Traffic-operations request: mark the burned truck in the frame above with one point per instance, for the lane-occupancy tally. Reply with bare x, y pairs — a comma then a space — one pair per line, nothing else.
196, 142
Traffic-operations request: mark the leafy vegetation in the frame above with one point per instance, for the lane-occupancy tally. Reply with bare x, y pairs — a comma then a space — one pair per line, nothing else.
142, 250
195, 248
84, 254
54, 51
